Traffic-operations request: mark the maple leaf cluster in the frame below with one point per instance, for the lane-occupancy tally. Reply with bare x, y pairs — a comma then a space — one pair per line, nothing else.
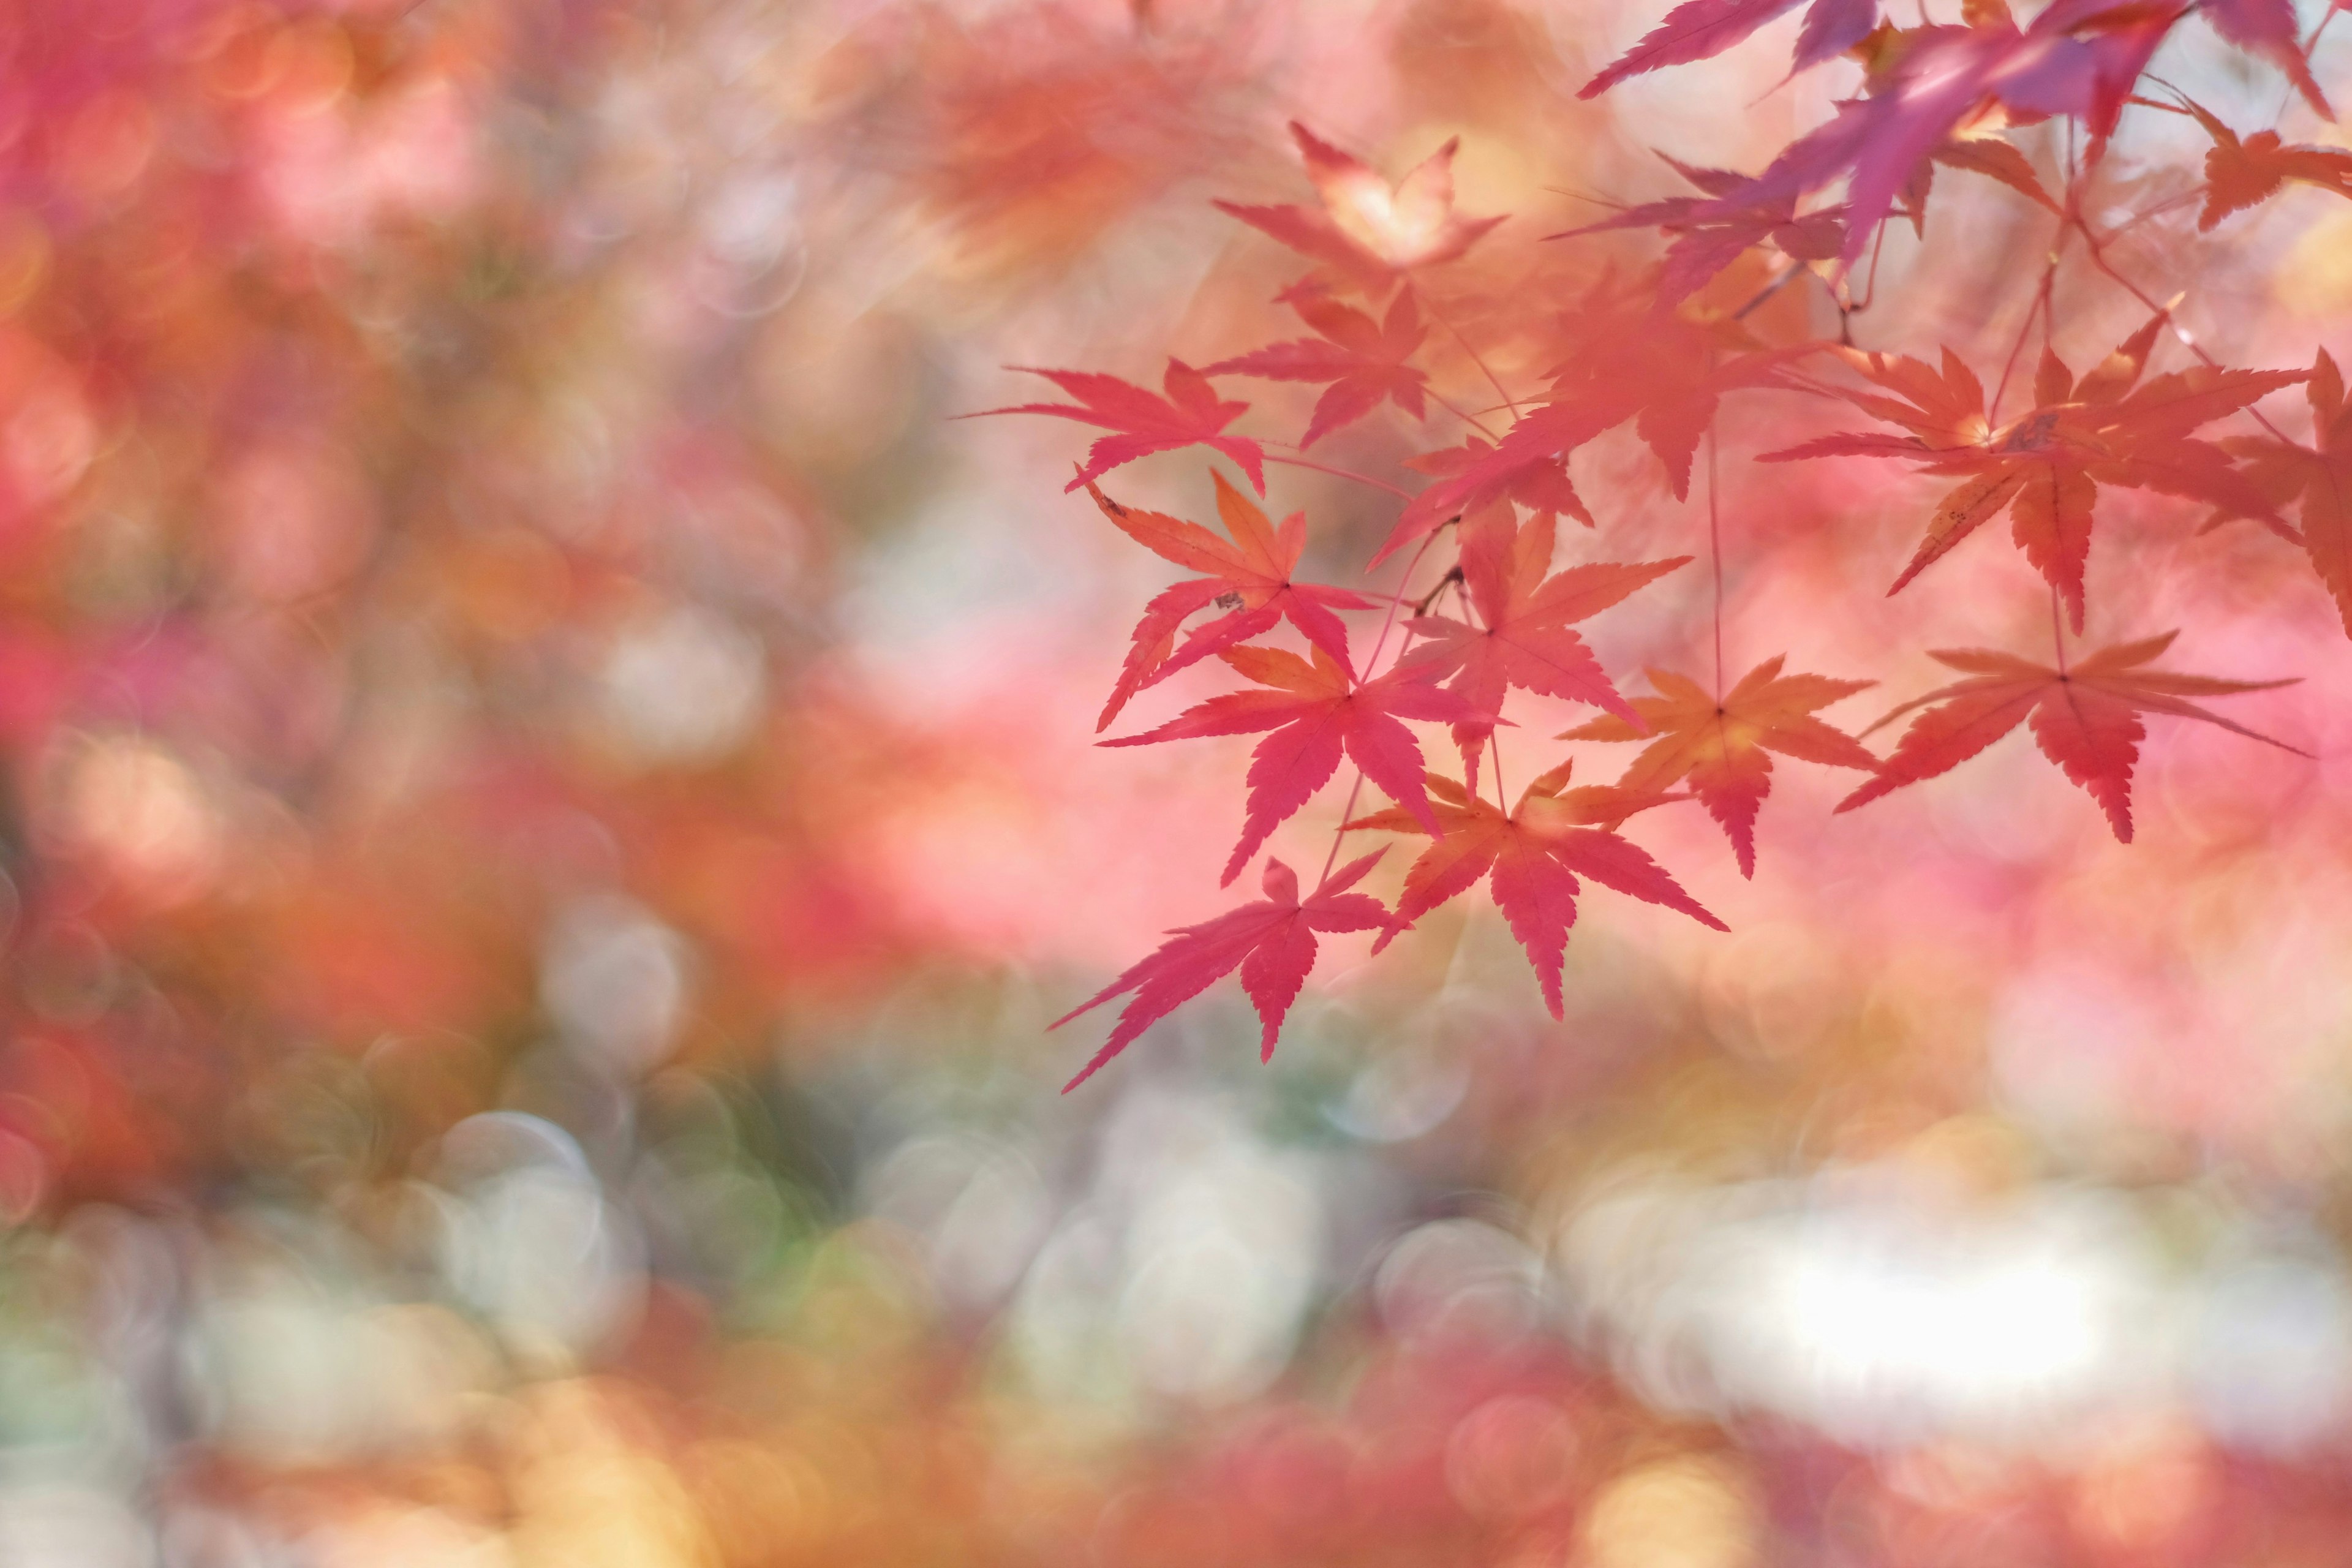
1662, 353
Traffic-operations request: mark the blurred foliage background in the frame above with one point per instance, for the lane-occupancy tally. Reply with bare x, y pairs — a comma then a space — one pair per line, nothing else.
549, 799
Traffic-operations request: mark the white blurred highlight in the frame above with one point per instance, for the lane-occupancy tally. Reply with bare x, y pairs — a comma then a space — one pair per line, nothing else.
683, 687
1886, 1312
527, 1240
1189, 1271
614, 980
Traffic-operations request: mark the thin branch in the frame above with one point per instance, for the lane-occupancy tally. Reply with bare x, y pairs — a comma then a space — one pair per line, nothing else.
2042, 304
1715, 554
1421, 606
1869, 283
2099, 260
1446, 321
1397, 490
1470, 419
2170, 203
1766, 293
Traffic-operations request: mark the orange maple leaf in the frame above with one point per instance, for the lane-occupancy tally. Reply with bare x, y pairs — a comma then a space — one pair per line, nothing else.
1723, 745
2244, 173
1250, 576
1371, 231
2045, 467
2085, 718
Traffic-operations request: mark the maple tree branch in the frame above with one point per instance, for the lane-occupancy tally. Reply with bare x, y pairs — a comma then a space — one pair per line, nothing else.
1421, 606
2041, 303
1488, 371
1756, 300
2277, 525
1470, 419
1847, 314
1397, 490
2099, 260
1715, 554
1793, 381
2170, 203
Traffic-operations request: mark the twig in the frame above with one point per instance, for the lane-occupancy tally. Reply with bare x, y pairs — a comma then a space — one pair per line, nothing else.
1766, 293
2099, 260
1470, 419
1714, 553
1446, 321
2042, 304
1397, 490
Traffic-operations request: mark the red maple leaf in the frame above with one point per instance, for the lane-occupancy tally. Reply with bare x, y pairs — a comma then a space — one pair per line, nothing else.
1141, 424
2322, 478
1737, 214
1701, 29
1724, 746
1317, 710
1252, 574
1523, 637
1364, 362
2086, 716
2242, 173
2045, 467
1625, 361
1530, 458
1532, 856
1928, 84
1988, 156
1540, 486
2267, 27
1709, 236
1374, 233
1271, 940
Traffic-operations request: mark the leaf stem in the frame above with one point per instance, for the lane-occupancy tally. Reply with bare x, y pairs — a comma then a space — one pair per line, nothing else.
1714, 553
2057, 631
1397, 490
1766, 293
2099, 260
1446, 321
2042, 304
1847, 314
1470, 419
